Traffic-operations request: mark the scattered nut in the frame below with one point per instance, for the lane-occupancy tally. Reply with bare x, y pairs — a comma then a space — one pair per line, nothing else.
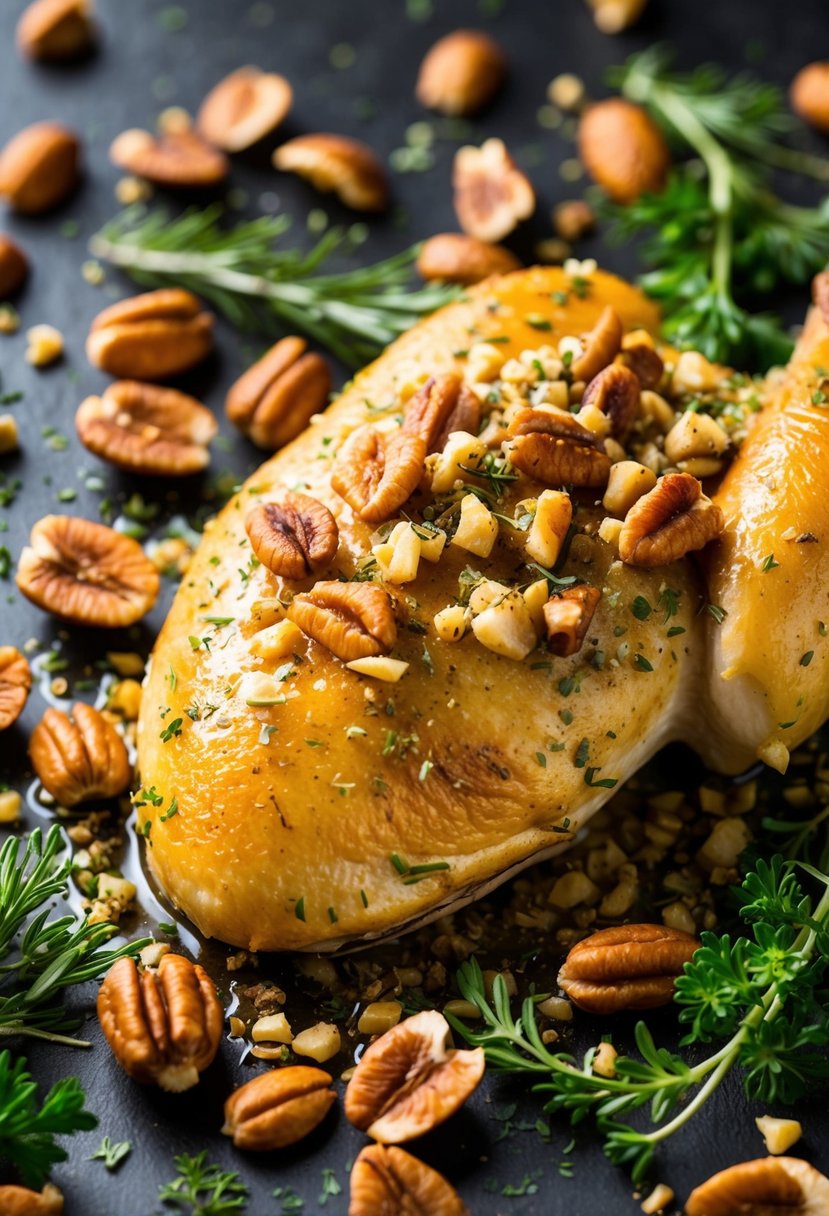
20, 1201
147, 429
278, 1108
293, 537
15, 682
660, 1198
335, 163
44, 345
9, 438
453, 257
642, 360
86, 573
491, 194
613, 16
276, 398
623, 149
557, 450
151, 336
176, 157
440, 408
784, 1184
243, 108
390, 1181
79, 759
779, 1134
672, 519
9, 319
352, 620
810, 95
567, 618
13, 267
567, 92
164, 1026
574, 219
376, 472
56, 29
461, 73
410, 1080
39, 167
625, 967
615, 391
319, 1042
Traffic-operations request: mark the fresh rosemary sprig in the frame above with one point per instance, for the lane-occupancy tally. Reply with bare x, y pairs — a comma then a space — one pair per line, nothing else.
718, 238
27, 1131
203, 1189
264, 289
758, 995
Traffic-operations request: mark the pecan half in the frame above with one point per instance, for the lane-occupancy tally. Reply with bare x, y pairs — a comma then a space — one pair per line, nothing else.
820, 294
809, 95
20, 1201
352, 620
444, 404
623, 149
147, 429
391, 1182
601, 345
15, 682
453, 257
491, 194
39, 167
243, 108
567, 618
672, 519
151, 336
276, 398
56, 29
557, 450
411, 1079
293, 537
278, 1108
376, 473
461, 73
615, 391
86, 573
14, 267
785, 1186
626, 967
643, 360
335, 163
164, 1026
177, 157
79, 759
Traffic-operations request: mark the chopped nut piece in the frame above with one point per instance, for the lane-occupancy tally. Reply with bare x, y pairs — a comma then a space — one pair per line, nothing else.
573, 889
380, 667
56, 29
453, 257
277, 641
627, 482
147, 429
491, 194
615, 391
319, 1042
784, 1184
779, 1134
278, 1108
151, 336
461, 73
14, 267
461, 453
477, 529
600, 346
176, 157
388, 1181
695, 435
574, 219
10, 804
623, 149
567, 618
274, 1028
9, 439
45, 345
80, 759
626, 967
451, 623
39, 167
278, 395
399, 556
339, 164
243, 108
551, 521
660, 1198
379, 1016
506, 627
352, 620
376, 473
604, 1060
293, 537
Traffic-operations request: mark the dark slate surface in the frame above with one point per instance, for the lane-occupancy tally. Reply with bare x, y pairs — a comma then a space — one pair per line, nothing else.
141, 67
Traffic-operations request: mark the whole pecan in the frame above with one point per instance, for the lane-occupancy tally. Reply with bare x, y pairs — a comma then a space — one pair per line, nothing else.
15, 682
278, 1108
784, 1185
601, 345
615, 391
672, 519
623, 149
144, 428
461, 73
79, 759
411, 1079
557, 450
39, 167
56, 29
336, 163
177, 157
20, 1201
151, 336
243, 108
13, 267
276, 398
294, 536
444, 404
352, 620
626, 967
567, 618
164, 1026
391, 1182
454, 257
86, 573
376, 473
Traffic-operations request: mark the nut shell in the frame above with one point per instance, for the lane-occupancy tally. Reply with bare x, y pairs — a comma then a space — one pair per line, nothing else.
151, 336
14, 267
376, 473
278, 1108
784, 1186
391, 1182
86, 573
164, 1026
453, 257
144, 428
672, 519
81, 759
39, 167
56, 29
444, 404
410, 1080
15, 683
461, 73
625, 967
180, 159
623, 150
336, 163
352, 620
243, 108
491, 194
810, 95
275, 399
294, 536
557, 451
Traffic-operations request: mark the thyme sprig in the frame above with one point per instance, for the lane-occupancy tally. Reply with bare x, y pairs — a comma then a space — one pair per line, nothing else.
261, 288
202, 1188
758, 996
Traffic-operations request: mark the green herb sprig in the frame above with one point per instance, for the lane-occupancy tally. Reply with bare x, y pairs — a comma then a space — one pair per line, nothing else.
201, 1188
263, 289
28, 1130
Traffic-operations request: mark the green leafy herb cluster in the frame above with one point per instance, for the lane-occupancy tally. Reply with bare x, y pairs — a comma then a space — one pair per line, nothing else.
27, 1131
201, 1188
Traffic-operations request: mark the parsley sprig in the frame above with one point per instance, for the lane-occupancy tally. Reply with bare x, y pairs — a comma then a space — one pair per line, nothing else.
756, 996
28, 1130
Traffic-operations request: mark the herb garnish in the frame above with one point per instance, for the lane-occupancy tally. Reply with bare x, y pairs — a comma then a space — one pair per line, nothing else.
27, 1132
203, 1189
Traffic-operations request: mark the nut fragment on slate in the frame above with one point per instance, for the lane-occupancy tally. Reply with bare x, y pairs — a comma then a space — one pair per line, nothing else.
177, 157
39, 167
15, 682
144, 428
56, 29
151, 336
81, 758
336, 163
278, 1108
20, 1201
623, 149
164, 1026
626, 967
453, 257
411, 1079
491, 194
243, 108
294, 536
278, 396
14, 267
391, 1182
461, 73
784, 1185
86, 573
